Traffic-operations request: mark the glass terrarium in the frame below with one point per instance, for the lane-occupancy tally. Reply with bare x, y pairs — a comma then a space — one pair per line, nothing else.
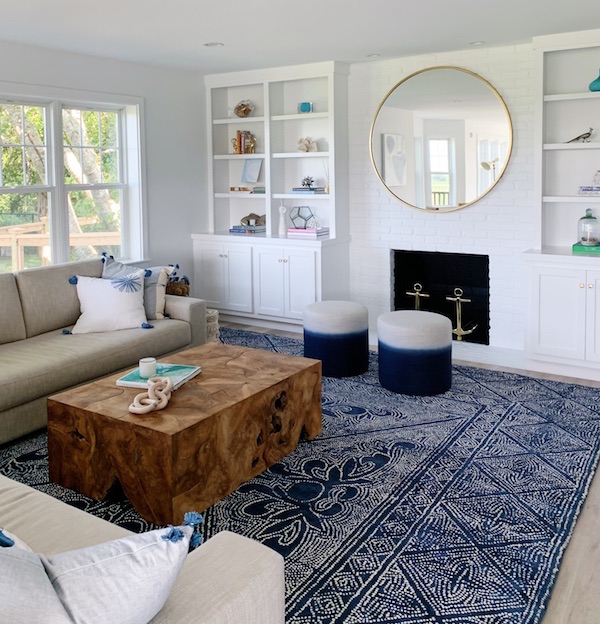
589, 233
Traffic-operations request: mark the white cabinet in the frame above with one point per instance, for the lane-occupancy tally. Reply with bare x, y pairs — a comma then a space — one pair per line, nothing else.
565, 304
223, 276
285, 281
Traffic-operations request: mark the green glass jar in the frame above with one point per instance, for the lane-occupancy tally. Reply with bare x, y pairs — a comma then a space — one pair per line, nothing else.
589, 234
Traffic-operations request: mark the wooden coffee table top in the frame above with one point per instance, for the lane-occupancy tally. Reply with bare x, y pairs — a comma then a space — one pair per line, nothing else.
229, 375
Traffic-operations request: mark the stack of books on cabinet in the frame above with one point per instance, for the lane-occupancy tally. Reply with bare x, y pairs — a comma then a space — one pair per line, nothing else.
309, 190
248, 229
309, 233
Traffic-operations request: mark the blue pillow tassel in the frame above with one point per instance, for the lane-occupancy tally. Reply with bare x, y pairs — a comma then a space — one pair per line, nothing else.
5, 541
73, 280
66, 332
195, 520
147, 326
173, 535
105, 255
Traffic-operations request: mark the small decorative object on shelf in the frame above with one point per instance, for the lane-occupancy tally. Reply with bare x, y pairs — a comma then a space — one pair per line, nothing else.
308, 182
244, 142
253, 220
305, 107
596, 178
301, 216
244, 108
307, 145
595, 84
589, 234
282, 229
582, 138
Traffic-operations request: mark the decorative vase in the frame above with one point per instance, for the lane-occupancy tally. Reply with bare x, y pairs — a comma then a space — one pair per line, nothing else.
595, 84
282, 229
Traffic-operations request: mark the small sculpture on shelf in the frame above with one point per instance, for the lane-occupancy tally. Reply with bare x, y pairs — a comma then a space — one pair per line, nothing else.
582, 138
307, 144
253, 220
302, 217
308, 182
244, 142
244, 108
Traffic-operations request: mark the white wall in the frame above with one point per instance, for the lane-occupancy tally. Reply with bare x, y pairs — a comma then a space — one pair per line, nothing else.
500, 225
174, 134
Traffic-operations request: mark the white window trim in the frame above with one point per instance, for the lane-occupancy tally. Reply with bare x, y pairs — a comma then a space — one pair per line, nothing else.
134, 217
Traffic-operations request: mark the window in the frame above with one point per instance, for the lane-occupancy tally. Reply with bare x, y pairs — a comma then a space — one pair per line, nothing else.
439, 169
70, 181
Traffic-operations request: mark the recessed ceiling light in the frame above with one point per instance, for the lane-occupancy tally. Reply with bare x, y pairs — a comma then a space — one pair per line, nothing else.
373, 55
476, 42
214, 44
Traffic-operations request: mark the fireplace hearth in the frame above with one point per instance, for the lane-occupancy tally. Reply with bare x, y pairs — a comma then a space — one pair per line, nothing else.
456, 285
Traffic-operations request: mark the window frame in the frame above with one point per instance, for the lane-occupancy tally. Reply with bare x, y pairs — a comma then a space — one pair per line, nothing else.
134, 229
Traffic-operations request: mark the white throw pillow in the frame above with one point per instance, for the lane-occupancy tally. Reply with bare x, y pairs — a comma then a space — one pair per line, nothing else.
123, 581
26, 593
110, 304
155, 284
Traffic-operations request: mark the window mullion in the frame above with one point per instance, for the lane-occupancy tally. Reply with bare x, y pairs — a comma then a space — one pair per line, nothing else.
59, 223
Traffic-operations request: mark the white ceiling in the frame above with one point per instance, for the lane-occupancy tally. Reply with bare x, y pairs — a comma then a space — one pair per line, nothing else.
267, 33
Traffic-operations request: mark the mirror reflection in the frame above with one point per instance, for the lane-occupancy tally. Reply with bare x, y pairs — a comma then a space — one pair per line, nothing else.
441, 139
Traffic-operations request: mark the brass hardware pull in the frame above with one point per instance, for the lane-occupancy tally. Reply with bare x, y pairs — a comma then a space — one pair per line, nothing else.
590, 285
581, 286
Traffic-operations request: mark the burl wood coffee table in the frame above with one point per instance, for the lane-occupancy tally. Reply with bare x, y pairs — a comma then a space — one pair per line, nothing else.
245, 411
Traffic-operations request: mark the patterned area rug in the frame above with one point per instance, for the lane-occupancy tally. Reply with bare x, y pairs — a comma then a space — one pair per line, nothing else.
455, 508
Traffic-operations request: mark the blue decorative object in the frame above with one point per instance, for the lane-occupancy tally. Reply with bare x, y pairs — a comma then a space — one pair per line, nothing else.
173, 535
455, 508
5, 541
127, 283
73, 280
595, 84
305, 107
67, 332
147, 326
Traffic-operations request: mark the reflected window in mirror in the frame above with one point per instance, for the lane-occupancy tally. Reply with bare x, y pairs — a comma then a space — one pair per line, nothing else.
441, 139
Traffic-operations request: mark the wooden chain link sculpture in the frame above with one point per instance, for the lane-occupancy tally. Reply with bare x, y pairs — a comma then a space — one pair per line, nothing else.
156, 398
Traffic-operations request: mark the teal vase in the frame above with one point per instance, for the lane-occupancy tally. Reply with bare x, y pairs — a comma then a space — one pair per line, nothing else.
595, 85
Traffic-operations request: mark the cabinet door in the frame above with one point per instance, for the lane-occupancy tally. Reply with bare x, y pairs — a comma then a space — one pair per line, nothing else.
593, 316
268, 281
300, 284
210, 274
237, 282
559, 312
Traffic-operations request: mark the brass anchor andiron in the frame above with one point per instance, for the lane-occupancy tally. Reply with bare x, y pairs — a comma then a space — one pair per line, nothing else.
417, 294
459, 332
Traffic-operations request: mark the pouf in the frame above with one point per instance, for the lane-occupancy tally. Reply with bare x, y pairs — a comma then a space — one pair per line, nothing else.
415, 352
337, 333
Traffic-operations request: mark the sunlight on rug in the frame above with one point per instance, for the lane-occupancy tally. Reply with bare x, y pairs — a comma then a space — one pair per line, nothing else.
452, 508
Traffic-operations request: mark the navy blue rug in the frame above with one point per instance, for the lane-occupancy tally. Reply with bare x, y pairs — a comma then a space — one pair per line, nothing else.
455, 508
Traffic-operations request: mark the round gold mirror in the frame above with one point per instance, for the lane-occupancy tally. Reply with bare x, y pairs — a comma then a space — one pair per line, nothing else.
441, 139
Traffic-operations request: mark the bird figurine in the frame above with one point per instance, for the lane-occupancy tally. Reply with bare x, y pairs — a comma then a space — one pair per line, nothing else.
582, 138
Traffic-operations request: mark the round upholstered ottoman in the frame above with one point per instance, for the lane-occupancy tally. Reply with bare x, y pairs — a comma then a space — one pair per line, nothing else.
415, 352
337, 333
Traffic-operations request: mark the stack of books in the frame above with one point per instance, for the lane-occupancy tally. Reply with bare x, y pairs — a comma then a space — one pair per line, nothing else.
248, 229
309, 190
589, 190
308, 232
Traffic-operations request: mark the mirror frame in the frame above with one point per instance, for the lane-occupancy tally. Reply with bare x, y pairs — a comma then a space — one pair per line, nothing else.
499, 174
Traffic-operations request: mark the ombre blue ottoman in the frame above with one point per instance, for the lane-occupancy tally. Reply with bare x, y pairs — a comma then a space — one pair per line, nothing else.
415, 352
337, 333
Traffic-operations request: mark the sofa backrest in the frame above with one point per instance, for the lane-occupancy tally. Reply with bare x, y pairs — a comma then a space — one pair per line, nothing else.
12, 326
48, 300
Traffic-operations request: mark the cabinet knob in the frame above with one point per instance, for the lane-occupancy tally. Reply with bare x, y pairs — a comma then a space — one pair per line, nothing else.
581, 285
225, 256
590, 285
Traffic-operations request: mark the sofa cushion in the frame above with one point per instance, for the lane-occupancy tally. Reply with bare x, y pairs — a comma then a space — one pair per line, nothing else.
110, 304
155, 284
51, 362
48, 300
12, 326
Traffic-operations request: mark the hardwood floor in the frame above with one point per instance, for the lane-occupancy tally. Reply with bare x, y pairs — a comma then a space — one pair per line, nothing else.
576, 595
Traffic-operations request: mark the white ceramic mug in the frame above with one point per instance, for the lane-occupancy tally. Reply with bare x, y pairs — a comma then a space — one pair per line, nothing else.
148, 367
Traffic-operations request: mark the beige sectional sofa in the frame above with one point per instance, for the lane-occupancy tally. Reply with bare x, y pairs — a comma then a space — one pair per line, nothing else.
37, 359
229, 579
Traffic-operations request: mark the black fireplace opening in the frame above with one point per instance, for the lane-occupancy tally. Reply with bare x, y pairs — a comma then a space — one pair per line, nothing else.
456, 285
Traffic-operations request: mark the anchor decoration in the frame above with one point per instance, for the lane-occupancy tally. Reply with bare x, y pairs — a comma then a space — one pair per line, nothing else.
459, 331
417, 294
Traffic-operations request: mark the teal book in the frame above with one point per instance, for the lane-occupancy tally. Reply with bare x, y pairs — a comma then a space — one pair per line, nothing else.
178, 373
578, 248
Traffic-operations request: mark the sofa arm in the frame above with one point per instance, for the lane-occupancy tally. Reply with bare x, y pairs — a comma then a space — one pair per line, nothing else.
191, 310
230, 579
